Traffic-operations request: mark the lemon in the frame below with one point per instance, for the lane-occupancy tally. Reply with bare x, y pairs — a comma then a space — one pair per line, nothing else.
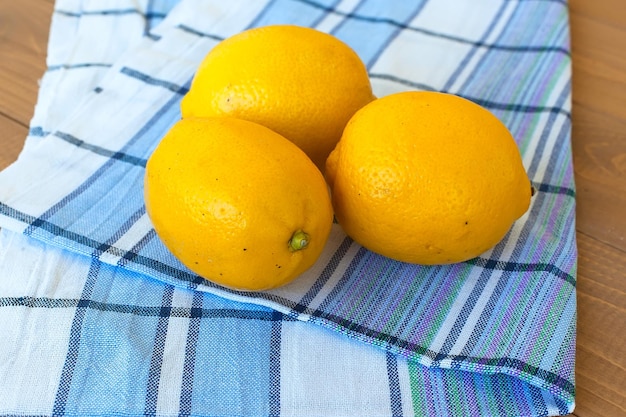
427, 178
300, 82
237, 203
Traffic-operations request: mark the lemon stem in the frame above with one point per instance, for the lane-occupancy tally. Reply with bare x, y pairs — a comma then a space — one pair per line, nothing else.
299, 240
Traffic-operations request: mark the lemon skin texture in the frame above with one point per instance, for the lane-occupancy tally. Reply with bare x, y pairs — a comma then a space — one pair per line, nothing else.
427, 178
300, 82
237, 203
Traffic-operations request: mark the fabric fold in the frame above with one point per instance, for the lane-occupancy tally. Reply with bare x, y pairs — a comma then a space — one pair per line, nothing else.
499, 325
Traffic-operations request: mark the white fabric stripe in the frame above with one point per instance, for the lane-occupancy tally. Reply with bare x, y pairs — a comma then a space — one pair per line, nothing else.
557, 89
405, 387
34, 369
172, 367
533, 142
312, 354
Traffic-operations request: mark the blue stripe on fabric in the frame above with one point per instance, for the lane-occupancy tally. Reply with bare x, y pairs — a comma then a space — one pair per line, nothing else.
564, 331
114, 365
146, 25
74, 344
98, 150
560, 163
468, 306
38, 302
130, 220
175, 88
119, 210
274, 365
538, 401
547, 296
38, 131
154, 374
338, 287
566, 250
512, 266
110, 12
196, 32
428, 284
563, 138
521, 108
552, 249
491, 315
538, 312
92, 289
370, 40
398, 80
96, 287
564, 408
80, 65
395, 395
218, 379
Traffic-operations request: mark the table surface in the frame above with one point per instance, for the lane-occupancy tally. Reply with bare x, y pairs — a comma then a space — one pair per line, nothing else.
598, 32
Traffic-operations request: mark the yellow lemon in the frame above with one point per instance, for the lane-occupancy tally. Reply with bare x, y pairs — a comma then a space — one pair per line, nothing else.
237, 203
297, 81
427, 178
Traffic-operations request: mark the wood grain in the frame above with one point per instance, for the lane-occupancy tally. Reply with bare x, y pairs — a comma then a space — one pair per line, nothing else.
12, 139
601, 351
598, 33
24, 27
599, 118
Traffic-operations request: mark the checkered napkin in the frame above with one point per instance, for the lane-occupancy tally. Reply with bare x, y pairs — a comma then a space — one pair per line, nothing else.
98, 318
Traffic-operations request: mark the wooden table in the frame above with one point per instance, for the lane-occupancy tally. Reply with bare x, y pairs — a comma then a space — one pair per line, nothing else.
598, 31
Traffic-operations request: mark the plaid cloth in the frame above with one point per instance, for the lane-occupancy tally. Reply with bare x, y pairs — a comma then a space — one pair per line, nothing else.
99, 319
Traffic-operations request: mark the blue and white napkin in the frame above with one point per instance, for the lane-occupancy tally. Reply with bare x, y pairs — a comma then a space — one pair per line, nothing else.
100, 319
